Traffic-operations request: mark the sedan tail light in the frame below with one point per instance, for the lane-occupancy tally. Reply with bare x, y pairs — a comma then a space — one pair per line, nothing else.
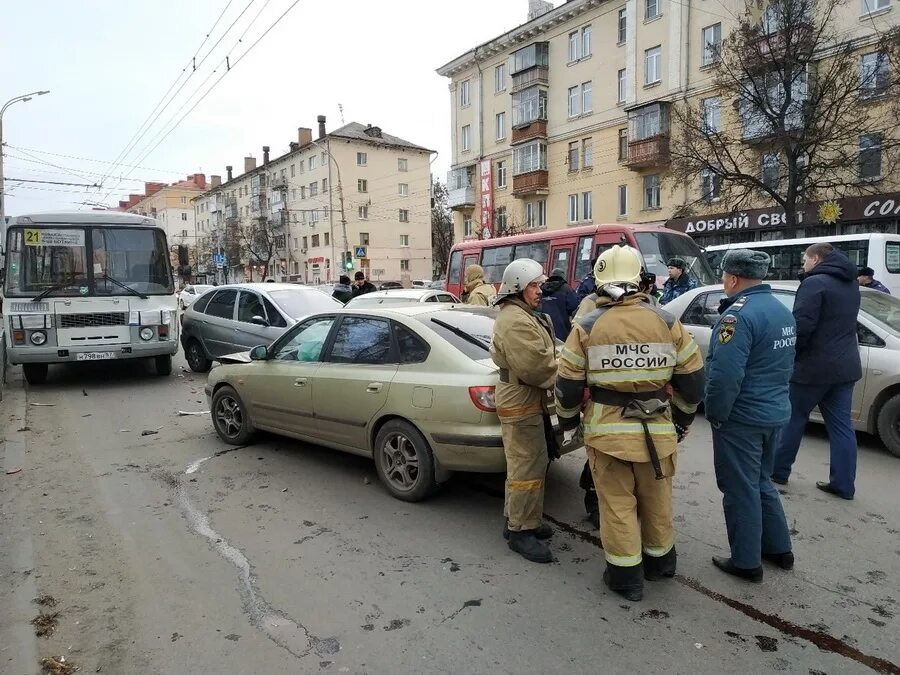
483, 398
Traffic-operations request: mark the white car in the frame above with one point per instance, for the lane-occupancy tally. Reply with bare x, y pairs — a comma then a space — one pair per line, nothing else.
876, 397
190, 293
398, 296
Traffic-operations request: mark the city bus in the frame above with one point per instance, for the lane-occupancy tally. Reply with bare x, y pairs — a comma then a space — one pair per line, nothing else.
574, 249
87, 286
879, 251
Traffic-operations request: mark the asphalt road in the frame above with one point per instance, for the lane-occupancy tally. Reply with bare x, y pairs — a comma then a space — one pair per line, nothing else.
172, 553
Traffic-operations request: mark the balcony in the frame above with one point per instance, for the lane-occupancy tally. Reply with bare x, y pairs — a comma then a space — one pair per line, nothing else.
530, 77
648, 152
537, 129
460, 188
532, 183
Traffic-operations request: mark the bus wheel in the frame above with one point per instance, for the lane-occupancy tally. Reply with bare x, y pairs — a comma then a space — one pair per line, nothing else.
163, 365
35, 373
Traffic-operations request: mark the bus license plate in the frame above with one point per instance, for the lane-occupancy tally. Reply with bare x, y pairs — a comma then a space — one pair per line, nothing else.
95, 356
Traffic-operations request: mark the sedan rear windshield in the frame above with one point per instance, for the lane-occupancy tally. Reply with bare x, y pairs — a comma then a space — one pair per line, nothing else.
476, 324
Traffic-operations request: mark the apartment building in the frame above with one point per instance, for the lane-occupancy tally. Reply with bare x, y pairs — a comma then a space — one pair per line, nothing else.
172, 206
355, 192
565, 120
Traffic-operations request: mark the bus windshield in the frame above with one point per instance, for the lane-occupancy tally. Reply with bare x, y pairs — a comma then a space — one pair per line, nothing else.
657, 248
87, 261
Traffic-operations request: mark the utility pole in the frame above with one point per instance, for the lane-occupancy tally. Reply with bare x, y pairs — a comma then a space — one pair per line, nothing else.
341, 201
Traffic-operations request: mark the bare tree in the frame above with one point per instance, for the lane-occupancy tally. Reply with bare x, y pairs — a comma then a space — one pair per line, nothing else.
261, 238
798, 113
441, 227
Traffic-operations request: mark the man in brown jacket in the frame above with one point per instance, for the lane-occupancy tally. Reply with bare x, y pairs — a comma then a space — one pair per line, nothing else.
477, 291
523, 348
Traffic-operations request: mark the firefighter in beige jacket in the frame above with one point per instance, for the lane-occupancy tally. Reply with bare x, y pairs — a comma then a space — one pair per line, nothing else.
523, 348
477, 291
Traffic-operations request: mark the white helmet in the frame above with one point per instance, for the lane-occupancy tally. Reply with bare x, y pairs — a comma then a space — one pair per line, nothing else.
618, 265
517, 275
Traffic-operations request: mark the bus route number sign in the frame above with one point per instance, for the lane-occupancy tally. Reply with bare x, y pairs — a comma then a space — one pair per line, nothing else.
63, 238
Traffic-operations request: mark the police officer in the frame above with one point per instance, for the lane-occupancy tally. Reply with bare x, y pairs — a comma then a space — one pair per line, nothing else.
751, 357
523, 348
627, 351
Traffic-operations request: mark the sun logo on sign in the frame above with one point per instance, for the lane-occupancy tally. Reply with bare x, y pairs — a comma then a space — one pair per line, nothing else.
830, 212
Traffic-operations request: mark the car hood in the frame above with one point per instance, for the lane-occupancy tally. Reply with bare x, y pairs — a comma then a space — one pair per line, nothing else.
237, 357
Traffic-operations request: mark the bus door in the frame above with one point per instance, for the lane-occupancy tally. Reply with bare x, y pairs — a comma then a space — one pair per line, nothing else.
606, 239
562, 257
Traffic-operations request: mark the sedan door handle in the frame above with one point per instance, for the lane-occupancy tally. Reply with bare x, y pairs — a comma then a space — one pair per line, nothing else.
300, 382
374, 387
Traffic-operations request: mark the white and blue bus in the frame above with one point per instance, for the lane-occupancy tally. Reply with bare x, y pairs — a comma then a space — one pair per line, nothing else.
87, 286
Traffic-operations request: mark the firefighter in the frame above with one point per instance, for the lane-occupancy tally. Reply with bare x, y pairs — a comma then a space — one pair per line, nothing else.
635, 357
477, 290
523, 348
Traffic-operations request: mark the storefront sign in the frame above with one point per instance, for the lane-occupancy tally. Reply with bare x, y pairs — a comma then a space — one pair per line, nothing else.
315, 261
487, 198
850, 209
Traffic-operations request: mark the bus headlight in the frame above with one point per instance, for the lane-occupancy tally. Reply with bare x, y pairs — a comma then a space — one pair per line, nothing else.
146, 333
38, 338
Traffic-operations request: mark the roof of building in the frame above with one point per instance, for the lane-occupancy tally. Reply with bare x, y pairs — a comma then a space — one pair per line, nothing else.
358, 132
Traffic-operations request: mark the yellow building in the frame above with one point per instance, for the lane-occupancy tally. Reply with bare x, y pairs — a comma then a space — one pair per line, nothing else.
354, 190
565, 119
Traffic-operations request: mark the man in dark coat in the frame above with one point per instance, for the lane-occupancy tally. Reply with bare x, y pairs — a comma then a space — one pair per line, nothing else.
678, 283
559, 303
866, 279
587, 285
827, 365
361, 285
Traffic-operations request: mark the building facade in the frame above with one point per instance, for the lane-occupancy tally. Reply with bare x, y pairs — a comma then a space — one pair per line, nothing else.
356, 191
565, 120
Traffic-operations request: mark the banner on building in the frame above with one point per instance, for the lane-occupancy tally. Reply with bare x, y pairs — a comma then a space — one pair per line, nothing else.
487, 199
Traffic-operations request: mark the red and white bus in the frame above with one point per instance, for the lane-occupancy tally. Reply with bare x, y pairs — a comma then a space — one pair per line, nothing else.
575, 248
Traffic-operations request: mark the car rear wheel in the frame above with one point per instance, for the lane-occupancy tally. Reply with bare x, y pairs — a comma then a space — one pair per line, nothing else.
196, 359
35, 373
230, 417
889, 425
404, 461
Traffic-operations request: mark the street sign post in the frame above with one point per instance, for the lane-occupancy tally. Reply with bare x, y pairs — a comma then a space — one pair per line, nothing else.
360, 252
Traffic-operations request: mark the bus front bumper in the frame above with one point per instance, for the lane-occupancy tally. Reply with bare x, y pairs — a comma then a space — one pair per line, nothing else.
53, 354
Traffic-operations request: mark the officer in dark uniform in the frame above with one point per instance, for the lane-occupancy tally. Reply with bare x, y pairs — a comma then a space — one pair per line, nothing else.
748, 372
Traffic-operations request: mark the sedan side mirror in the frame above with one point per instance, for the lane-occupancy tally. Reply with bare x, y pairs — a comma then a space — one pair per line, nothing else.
259, 321
259, 353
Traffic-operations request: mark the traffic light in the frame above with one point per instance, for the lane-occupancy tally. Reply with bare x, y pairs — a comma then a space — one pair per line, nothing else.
348, 260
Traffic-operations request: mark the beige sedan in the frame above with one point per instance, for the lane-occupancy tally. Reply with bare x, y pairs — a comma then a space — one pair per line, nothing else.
411, 386
876, 397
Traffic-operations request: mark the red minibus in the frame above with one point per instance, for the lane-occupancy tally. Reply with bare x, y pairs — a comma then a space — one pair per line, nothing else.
574, 249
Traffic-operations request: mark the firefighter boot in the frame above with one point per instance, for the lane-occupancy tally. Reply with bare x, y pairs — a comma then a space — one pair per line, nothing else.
526, 544
656, 568
543, 531
626, 581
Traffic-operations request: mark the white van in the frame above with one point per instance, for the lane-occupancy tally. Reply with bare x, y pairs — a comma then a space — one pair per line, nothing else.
879, 251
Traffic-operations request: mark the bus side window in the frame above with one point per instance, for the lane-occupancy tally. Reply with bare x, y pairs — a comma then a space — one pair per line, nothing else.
454, 273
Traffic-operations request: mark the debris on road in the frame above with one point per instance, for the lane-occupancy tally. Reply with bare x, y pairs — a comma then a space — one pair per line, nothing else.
84, 391
10, 472
124, 431
185, 413
45, 624
45, 601
149, 432
43, 405
24, 429
57, 665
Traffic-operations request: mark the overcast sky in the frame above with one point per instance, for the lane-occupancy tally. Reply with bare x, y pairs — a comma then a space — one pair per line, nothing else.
108, 64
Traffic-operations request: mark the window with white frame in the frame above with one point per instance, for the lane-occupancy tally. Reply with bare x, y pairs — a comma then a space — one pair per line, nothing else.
314, 216
363, 238
500, 78
293, 194
536, 214
869, 6
404, 215
404, 240
587, 206
572, 158
362, 185
573, 209
324, 185
622, 26
313, 162
651, 192
501, 174
302, 192
313, 189
293, 170
464, 98
769, 170
622, 85
500, 122
315, 241
465, 138
404, 265
301, 166
184, 216
653, 65
623, 144
870, 156
362, 159
587, 153
709, 185
402, 165
363, 212
184, 200
529, 105
622, 201
529, 157
587, 34
874, 74
574, 101
711, 115
500, 220
587, 98
574, 46
651, 9
710, 44
403, 189
467, 226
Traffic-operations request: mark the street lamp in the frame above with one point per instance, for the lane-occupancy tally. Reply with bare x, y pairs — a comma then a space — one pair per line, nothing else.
23, 98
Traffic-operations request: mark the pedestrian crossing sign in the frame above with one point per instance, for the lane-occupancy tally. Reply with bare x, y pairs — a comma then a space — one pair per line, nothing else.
360, 252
